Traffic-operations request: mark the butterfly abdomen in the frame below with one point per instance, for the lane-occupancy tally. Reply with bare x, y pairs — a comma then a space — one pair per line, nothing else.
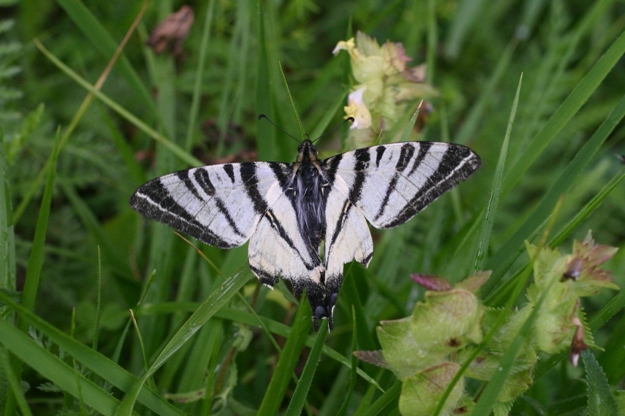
310, 195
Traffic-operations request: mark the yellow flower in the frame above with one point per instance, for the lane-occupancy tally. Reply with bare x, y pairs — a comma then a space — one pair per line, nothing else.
365, 67
347, 45
357, 109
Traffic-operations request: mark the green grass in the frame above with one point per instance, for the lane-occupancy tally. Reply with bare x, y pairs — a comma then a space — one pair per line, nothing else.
78, 137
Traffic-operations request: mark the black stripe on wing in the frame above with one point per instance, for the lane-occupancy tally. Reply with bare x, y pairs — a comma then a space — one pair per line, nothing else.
458, 163
155, 202
406, 154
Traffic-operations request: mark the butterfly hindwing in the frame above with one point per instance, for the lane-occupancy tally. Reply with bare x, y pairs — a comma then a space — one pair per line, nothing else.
277, 248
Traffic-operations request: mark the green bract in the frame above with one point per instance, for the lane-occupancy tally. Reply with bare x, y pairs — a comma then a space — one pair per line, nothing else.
426, 350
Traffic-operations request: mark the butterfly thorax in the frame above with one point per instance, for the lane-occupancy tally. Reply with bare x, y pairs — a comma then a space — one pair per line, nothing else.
308, 193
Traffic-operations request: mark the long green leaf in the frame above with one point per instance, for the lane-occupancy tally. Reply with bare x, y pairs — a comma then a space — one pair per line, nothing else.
500, 295
327, 117
488, 397
111, 252
249, 319
353, 374
55, 370
565, 112
265, 138
305, 381
106, 45
288, 360
205, 311
7, 238
35, 260
514, 245
195, 103
99, 364
469, 11
174, 148
484, 233
14, 383
388, 398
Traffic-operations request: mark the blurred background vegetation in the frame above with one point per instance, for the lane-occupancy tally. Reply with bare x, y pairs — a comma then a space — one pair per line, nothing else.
476, 52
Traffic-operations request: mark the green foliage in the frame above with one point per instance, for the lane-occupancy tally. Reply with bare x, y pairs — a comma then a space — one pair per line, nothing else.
450, 332
215, 342
600, 398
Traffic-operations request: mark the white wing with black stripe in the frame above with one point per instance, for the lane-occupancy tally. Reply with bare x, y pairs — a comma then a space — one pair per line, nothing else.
213, 204
289, 212
387, 185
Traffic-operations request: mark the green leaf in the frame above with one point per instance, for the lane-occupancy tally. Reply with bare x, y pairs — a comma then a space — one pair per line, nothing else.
174, 148
387, 399
265, 138
7, 237
205, 311
6, 371
601, 402
55, 370
106, 45
484, 233
353, 374
197, 87
565, 112
305, 381
35, 260
100, 365
541, 213
288, 360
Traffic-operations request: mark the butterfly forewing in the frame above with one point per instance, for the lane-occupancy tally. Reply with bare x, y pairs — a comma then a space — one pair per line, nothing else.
392, 183
219, 205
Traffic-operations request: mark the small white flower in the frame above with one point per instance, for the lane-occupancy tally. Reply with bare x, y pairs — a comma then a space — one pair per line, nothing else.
357, 109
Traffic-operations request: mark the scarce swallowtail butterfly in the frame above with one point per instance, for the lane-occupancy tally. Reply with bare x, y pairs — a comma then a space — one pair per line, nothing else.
287, 210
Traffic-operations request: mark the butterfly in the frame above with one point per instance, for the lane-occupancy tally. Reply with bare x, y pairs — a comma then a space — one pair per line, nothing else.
306, 220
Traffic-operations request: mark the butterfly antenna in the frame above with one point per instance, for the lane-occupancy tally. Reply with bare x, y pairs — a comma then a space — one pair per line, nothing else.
351, 119
261, 116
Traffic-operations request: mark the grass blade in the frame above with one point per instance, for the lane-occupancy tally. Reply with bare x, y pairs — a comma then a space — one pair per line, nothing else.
252, 320
35, 260
205, 311
565, 112
389, 397
287, 361
468, 12
99, 364
55, 370
353, 374
14, 383
303, 385
321, 126
174, 148
197, 88
470, 126
293, 106
488, 398
514, 245
106, 45
265, 138
484, 233
7, 239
